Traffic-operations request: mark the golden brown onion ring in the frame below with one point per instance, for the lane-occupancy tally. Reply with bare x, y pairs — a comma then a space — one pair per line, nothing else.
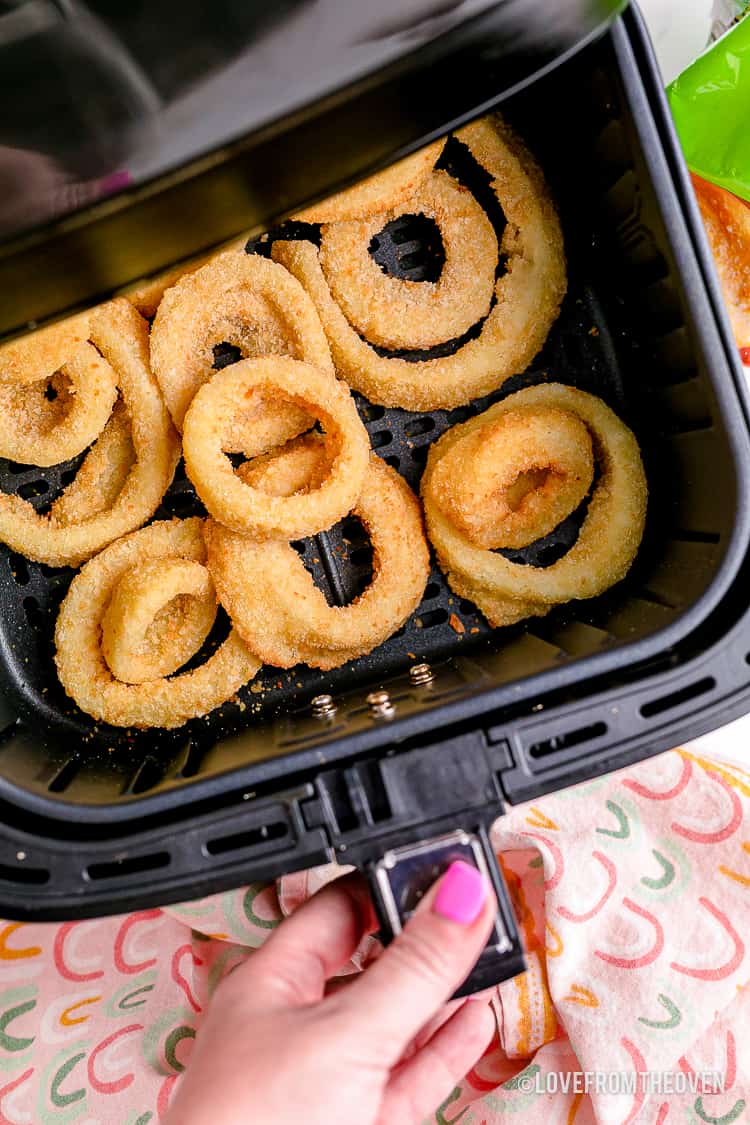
609, 536
271, 597
300, 466
102, 474
249, 510
377, 193
158, 617
60, 359
147, 293
78, 528
38, 355
81, 664
255, 305
510, 482
527, 296
396, 313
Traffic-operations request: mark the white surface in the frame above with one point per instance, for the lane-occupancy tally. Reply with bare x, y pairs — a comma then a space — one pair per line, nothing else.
680, 30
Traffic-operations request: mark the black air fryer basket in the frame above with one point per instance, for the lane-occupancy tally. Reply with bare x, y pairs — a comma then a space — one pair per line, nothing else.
317, 766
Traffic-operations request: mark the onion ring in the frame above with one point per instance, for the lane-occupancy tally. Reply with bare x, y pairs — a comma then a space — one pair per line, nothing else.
429, 311
81, 663
80, 526
254, 304
101, 476
146, 294
271, 597
380, 192
39, 354
35, 430
529, 470
300, 466
609, 537
158, 617
727, 222
527, 296
246, 509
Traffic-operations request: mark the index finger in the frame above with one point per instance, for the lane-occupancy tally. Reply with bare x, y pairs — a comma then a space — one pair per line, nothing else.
310, 946
396, 996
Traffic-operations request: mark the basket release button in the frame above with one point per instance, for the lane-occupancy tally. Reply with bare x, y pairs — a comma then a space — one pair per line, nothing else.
403, 875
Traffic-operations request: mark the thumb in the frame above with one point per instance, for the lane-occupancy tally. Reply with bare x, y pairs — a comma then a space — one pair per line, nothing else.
430, 958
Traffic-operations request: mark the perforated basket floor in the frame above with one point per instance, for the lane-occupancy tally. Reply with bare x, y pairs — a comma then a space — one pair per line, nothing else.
578, 351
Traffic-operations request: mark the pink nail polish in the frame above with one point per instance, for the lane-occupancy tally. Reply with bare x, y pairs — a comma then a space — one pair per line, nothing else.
114, 182
462, 893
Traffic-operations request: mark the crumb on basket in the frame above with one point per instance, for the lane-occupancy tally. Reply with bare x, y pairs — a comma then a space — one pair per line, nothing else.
456, 624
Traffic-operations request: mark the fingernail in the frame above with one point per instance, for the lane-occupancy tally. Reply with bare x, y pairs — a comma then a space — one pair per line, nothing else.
461, 895
115, 182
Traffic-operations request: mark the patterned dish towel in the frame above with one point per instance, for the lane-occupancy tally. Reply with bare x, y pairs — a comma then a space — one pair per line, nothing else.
633, 897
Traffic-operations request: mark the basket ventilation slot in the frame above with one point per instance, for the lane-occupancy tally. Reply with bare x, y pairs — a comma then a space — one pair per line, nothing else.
136, 865
566, 741
62, 779
675, 698
688, 535
148, 774
250, 839
22, 874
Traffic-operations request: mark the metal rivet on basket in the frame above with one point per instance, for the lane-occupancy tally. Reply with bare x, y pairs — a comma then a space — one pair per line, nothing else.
420, 674
323, 707
380, 705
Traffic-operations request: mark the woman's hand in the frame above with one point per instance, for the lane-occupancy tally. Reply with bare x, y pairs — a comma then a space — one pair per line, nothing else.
275, 1046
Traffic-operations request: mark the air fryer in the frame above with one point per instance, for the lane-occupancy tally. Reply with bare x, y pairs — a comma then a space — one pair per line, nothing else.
400, 760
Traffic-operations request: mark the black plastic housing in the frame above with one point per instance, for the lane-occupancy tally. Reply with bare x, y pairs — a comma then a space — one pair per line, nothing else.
226, 120
92, 823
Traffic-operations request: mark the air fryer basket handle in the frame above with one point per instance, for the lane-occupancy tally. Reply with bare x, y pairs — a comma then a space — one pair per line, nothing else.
402, 875
404, 818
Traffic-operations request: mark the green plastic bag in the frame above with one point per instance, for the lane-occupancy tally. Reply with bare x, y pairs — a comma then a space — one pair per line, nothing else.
710, 102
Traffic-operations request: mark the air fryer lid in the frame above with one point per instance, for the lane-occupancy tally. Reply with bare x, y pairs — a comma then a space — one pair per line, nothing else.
133, 136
